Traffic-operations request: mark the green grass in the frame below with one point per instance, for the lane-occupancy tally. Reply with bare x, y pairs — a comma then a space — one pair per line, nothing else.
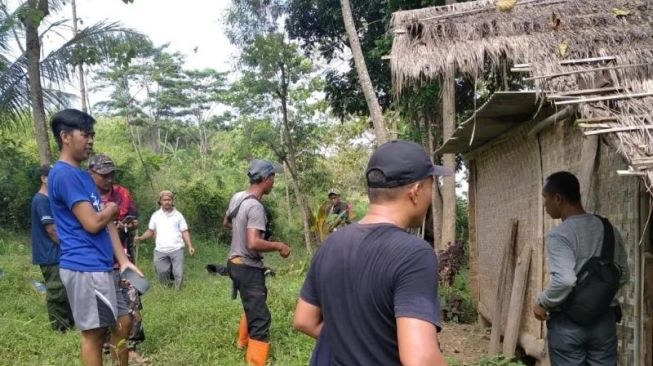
196, 326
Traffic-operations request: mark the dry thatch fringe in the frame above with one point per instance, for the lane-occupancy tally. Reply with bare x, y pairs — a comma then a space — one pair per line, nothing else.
464, 36
525, 35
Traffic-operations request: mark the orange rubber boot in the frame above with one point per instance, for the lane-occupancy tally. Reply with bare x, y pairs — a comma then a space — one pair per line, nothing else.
243, 335
257, 352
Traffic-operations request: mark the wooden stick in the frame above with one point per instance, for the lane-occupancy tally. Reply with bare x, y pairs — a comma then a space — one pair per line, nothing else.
495, 334
574, 61
593, 69
593, 125
517, 301
480, 10
533, 346
607, 97
596, 119
618, 129
630, 173
585, 91
558, 116
610, 118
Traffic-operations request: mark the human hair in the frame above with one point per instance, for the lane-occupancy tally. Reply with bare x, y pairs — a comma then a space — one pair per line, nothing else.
380, 195
256, 179
69, 120
565, 184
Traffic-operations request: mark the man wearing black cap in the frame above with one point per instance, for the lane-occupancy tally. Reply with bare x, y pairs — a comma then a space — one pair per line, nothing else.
338, 212
372, 285
251, 233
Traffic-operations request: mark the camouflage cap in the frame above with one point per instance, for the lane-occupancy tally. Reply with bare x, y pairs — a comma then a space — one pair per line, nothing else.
101, 164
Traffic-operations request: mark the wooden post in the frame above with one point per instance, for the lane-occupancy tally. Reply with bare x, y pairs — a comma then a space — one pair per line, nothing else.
587, 161
449, 160
495, 334
473, 242
517, 301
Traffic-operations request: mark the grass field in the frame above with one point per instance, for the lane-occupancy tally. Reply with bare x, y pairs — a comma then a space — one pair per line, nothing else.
196, 326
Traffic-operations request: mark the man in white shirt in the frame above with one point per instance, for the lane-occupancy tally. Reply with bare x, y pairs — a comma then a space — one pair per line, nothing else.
171, 231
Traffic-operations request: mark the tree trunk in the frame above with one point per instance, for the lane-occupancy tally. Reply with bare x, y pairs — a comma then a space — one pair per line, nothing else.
291, 160
436, 196
37, 10
361, 68
80, 68
449, 160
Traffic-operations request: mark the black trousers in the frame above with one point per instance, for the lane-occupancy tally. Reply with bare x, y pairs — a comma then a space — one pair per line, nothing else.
250, 283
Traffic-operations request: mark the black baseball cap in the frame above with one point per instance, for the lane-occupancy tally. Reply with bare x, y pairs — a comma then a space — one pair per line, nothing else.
402, 162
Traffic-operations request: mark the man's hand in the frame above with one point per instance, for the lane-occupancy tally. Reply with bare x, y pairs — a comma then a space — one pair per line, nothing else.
191, 250
284, 250
132, 266
540, 313
112, 208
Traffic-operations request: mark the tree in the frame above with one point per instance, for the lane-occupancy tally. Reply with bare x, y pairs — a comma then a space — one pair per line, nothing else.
366, 84
272, 67
21, 77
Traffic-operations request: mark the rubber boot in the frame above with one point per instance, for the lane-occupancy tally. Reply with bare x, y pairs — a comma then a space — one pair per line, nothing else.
257, 352
243, 335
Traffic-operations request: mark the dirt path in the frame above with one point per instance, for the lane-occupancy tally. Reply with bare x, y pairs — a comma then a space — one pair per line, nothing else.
466, 343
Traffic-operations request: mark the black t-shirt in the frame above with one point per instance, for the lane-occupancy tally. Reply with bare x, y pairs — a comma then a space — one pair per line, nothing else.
363, 278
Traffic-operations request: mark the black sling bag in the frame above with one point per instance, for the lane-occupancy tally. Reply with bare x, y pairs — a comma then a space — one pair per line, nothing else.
596, 283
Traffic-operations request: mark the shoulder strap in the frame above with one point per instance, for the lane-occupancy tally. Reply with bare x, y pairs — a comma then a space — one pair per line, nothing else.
233, 213
607, 249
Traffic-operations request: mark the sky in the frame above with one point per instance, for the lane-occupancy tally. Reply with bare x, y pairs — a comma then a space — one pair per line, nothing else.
183, 24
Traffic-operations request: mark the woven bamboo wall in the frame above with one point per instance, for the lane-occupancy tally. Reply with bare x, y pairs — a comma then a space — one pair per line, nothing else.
509, 176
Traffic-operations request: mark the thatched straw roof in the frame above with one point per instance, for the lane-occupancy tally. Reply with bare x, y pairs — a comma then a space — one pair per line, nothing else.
598, 46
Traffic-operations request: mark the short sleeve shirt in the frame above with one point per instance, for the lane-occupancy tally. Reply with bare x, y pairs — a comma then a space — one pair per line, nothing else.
44, 250
121, 196
80, 250
168, 227
251, 215
363, 278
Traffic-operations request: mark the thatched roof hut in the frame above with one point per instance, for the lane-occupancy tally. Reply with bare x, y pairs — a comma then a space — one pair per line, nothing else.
593, 54
586, 107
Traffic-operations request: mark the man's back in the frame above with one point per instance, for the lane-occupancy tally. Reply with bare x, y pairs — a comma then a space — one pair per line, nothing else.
363, 278
569, 246
44, 250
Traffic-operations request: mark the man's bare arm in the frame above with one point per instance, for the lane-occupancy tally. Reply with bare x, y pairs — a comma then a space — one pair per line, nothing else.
308, 319
52, 232
91, 220
418, 343
256, 242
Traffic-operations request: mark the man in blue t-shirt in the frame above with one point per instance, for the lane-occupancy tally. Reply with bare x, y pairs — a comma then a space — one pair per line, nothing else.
46, 253
88, 238
372, 285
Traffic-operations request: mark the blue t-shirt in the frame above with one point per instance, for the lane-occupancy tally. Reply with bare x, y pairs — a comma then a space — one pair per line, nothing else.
44, 250
363, 278
80, 250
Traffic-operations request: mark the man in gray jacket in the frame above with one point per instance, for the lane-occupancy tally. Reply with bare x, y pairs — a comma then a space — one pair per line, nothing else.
569, 246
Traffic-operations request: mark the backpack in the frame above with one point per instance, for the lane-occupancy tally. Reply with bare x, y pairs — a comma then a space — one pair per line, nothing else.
268, 219
597, 283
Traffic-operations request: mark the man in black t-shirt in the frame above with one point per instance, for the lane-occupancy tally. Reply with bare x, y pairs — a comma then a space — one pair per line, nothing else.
338, 212
372, 285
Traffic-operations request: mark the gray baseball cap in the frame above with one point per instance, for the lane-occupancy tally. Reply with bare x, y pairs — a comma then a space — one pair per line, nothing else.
261, 169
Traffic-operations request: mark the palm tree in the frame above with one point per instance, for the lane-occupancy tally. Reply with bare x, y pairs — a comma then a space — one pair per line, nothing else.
21, 76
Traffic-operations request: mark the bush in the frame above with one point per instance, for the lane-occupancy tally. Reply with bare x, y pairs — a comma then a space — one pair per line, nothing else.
19, 181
